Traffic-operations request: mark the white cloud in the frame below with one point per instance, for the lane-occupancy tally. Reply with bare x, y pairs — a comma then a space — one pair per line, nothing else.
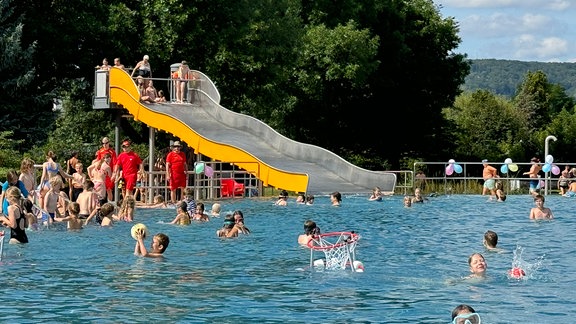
530, 46
491, 4
500, 25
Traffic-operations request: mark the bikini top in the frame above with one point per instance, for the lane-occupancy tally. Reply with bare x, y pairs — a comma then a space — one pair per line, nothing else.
50, 169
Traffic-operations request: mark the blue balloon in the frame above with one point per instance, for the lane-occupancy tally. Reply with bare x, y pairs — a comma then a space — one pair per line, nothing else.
504, 168
547, 167
457, 168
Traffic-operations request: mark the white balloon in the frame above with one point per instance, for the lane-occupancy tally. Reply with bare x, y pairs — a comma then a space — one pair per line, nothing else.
549, 159
451, 161
508, 161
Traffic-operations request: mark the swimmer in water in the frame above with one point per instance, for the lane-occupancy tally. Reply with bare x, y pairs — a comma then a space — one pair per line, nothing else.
540, 212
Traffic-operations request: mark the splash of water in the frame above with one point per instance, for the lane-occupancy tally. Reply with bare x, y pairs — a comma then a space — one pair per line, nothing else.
530, 267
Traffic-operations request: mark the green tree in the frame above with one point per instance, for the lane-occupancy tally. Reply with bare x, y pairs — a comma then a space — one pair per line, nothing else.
19, 100
487, 127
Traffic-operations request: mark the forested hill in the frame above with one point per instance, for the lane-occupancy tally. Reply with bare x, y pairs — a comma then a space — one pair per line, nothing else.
504, 76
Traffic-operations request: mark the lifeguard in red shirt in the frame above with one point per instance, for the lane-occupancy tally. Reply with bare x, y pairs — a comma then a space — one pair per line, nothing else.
130, 163
176, 170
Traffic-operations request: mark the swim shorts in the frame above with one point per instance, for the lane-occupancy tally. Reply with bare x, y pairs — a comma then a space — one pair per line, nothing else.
490, 184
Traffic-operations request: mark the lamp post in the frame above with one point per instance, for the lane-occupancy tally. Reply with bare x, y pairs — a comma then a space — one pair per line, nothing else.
546, 174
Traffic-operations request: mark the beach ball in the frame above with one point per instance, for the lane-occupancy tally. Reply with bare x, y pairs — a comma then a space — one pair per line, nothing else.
139, 228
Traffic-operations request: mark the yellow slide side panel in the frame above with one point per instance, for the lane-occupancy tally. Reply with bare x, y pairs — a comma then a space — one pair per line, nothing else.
123, 91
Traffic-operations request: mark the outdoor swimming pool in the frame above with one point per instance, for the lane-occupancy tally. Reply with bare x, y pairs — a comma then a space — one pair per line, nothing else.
412, 256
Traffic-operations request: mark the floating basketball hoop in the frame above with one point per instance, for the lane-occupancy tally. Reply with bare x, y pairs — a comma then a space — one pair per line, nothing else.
338, 248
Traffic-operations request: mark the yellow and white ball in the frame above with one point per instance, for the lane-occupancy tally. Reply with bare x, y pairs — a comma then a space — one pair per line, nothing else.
139, 228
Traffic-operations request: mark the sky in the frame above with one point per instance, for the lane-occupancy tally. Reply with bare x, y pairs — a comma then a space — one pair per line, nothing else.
522, 30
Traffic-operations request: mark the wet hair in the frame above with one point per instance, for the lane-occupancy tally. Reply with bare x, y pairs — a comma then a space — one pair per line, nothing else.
183, 206
216, 208
229, 221
460, 308
472, 255
310, 228
74, 208
239, 213
201, 205
28, 205
491, 238
158, 199
539, 197
106, 210
336, 195
163, 240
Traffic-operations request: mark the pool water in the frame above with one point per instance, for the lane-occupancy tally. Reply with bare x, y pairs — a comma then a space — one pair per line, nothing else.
414, 260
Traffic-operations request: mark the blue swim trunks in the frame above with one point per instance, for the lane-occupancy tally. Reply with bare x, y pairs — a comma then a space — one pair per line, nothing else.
534, 184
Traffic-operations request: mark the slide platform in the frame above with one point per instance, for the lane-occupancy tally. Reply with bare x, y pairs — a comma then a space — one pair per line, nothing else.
250, 144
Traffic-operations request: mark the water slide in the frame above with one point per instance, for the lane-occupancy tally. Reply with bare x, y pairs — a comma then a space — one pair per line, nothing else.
227, 136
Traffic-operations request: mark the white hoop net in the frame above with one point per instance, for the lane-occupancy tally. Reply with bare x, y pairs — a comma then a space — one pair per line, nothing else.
338, 248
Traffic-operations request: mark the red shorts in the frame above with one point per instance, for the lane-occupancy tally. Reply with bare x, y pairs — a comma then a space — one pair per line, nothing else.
130, 181
177, 180
109, 183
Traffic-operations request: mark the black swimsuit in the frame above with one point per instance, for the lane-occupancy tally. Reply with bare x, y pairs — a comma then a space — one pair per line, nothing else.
19, 233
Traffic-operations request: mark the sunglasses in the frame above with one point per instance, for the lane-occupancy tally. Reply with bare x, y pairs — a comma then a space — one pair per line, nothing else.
125, 146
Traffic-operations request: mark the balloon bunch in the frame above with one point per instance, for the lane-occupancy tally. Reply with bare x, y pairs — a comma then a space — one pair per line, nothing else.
508, 165
200, 167
453, 167
549, 166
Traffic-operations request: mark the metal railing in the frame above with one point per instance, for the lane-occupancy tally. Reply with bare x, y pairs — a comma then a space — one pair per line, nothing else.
435, 172
205, 187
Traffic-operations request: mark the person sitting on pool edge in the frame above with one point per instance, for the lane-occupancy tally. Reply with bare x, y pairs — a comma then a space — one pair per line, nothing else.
159, 245
463, 314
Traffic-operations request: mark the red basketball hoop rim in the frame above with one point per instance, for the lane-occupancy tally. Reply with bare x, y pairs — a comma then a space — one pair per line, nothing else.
352, 237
